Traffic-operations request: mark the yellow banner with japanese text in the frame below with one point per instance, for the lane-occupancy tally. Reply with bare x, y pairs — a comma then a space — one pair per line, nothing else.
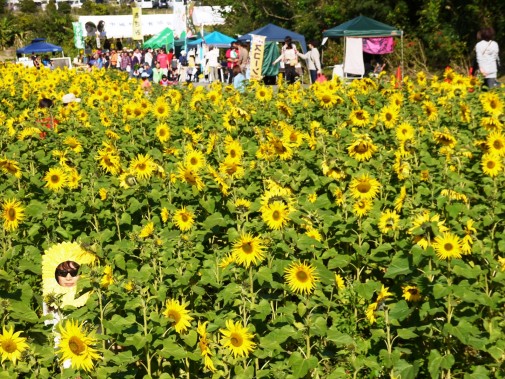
137, 23
256, 56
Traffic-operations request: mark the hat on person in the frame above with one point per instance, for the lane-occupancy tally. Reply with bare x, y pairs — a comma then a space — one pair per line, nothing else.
70, 98
144, 75
183, 52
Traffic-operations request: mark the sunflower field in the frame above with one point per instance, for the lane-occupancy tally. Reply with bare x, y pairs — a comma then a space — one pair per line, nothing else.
345, 230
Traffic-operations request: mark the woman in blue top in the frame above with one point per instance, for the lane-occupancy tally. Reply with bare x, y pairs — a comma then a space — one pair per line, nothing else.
238, 79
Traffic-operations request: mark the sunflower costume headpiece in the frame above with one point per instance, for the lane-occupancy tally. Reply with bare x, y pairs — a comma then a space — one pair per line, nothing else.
56, 254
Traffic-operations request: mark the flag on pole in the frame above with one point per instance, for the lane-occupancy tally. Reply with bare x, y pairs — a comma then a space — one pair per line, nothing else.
256, 56
78, 35
137, 23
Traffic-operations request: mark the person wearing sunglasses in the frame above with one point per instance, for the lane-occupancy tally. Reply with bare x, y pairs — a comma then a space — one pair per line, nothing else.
67, 273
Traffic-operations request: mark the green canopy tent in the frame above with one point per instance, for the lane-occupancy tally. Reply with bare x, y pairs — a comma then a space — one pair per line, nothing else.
165, 39
364, 27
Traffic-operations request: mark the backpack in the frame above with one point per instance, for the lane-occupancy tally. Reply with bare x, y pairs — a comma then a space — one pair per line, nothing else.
184, 60
174, 64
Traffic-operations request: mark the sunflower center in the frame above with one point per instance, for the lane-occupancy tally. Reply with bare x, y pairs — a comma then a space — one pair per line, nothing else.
184, 217
76, 345
497, 145
141, 166
302, 276
448, 246
194, 161
236, 340
276, 215
389, 116
9, 346
363, 187
233, 153
490, 164
361, 148
247, 248
176, 316
11, 214
162, 133
493, 104
360, 116
55, 179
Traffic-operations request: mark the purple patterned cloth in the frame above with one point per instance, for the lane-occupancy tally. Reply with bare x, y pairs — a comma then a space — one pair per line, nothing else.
378, 45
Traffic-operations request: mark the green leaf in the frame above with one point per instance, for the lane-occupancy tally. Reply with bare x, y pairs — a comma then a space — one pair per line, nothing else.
190, 338
399, 266
300, 365
126, 219
406, 333
399, 311
264, 274
36, 209
339, 338
215, 219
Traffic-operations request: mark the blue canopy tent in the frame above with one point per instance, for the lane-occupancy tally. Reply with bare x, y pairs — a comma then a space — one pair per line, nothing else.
39, 45
215, 39
277, 34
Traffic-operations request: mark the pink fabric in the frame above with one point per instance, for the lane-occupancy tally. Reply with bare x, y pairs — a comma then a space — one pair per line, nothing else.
378, 45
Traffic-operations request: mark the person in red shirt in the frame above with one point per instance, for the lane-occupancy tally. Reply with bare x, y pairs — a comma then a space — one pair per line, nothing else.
49, 122
162, 58
170, 56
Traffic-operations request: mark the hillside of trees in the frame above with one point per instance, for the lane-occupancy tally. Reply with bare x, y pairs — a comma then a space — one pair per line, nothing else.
437, 32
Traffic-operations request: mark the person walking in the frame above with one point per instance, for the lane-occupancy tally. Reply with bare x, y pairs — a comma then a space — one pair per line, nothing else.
313, 60
488, 59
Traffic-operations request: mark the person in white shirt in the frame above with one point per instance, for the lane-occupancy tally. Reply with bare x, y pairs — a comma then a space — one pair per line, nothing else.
213, 63
487, 52
313, 61
148, 57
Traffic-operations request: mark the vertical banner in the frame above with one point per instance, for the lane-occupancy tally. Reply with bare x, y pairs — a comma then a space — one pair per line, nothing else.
137, 23
256, 56
78, 35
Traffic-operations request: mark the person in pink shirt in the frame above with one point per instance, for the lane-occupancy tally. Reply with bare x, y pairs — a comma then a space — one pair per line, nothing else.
162, 58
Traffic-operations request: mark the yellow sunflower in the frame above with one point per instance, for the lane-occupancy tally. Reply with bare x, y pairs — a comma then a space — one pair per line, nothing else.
496, 144
12, 345
163, 132
190, 176
364, 187
339, 282
55, 179
109, 162
362, 148
331, 170
13, 213
177, 312
275, 215
301, 277
10, 167
77, 346
445, 138
238, 339
232, 167
56, 254
73, 143
430, 111
388, 221
233, 148
327, 99
160, 108
143, 166
447, 246
264, 93
107, 277
425, 226
194, 160
248, 250
362, 206
359, 117
164, 214
491, 103
491, 165
404, 131
147, 230
389, 116
184, 219
411, 293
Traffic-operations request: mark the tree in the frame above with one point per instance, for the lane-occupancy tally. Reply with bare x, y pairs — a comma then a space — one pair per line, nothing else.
28, 6
7, 32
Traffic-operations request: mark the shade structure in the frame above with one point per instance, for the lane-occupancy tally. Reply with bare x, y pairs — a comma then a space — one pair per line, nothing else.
362, 26
39, 45
215, 39
165, 39
277, 34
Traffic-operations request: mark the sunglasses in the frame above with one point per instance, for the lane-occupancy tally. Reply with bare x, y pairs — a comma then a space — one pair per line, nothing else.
64, 273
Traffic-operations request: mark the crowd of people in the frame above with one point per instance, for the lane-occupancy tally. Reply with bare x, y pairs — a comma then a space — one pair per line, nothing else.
231, 65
